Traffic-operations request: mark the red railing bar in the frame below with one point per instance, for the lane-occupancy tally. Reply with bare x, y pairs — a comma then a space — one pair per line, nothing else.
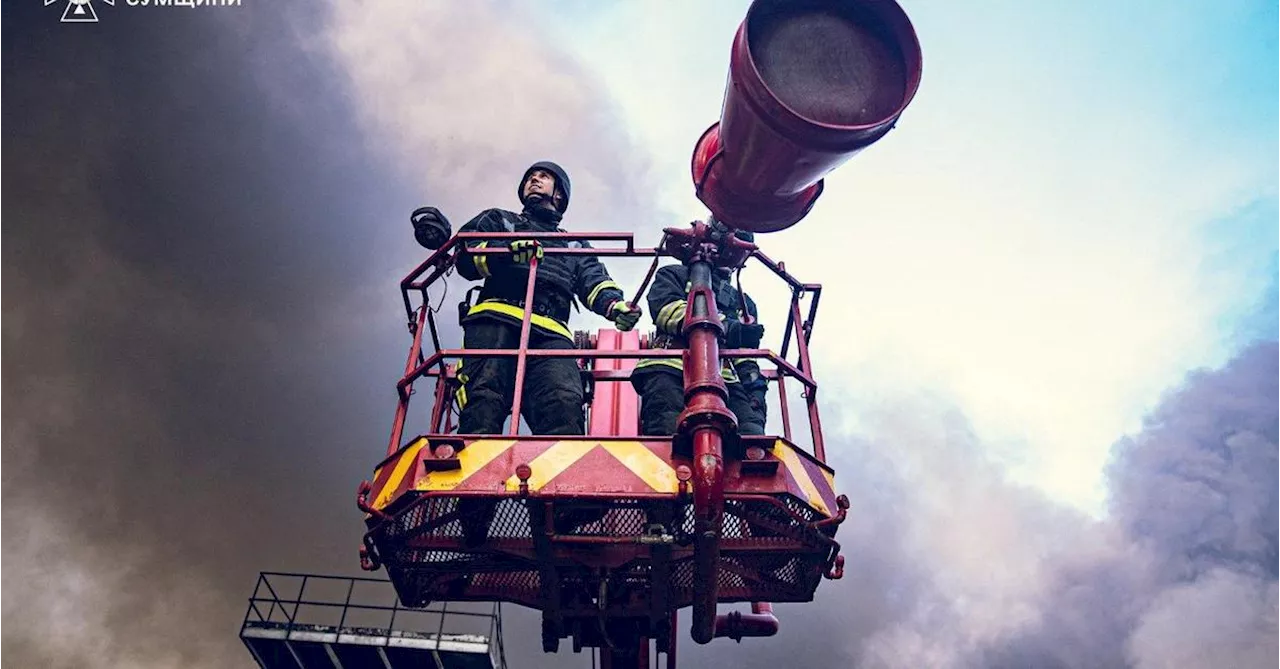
443, 258
779, 269
644, 285
813, 311
786, 330
760, 354
810, 392
402, 407
786, 411
526, 322
435, 334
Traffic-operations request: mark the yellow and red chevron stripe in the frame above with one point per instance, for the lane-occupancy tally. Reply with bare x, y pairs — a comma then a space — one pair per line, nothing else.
574, 465
654, 471
389, 478
588, 466
814, 480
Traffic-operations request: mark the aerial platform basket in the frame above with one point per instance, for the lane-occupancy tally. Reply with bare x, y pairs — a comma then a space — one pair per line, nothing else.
597, 531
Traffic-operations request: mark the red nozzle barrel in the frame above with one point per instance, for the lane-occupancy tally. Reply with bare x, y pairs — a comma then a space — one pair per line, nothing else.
811, 83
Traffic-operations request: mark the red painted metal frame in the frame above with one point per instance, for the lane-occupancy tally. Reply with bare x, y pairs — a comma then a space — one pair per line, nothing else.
435, 365
705, 424
614, 410
415, 352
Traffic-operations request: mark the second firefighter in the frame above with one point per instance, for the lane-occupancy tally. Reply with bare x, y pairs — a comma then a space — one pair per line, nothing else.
660, 381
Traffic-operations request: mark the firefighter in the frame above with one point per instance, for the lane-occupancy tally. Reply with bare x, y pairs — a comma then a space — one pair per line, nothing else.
660, 381
553, 397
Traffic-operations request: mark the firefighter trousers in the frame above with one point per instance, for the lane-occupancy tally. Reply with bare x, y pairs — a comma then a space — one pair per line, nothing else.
552, 401
661, 393
553, 391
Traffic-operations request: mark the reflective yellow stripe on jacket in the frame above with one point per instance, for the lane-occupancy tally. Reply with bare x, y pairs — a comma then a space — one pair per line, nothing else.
545, 322
671, 317
481, 261
727, 372
595, 292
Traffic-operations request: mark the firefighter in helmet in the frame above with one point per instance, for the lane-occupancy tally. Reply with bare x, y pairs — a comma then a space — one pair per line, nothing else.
660, 381
553, 398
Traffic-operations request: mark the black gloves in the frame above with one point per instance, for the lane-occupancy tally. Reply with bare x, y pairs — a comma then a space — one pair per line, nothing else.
739, 335
430, 227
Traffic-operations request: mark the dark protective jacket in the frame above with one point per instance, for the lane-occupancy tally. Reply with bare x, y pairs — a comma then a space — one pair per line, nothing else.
668, 303
560, 277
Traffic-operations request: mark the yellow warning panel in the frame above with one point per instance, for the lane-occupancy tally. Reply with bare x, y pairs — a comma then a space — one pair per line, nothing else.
791, 460
552, 462
472, 459
399, 470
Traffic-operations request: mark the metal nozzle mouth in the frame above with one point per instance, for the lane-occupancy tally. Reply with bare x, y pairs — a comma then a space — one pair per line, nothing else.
832, 63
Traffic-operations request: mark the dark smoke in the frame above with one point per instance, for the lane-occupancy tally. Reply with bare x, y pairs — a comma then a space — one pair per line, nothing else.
182, 383
204, 224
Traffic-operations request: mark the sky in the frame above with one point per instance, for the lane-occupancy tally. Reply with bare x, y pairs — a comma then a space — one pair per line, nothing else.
1047, 346
1067, 218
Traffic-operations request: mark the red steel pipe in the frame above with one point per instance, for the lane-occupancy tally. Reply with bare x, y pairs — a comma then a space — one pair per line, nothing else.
811, 83
708, 505
736, 625
706, 420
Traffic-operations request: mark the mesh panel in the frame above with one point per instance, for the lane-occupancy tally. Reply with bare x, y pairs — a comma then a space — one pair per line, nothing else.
596, 520
686, 521
728, 578
511, 520
485, 549
734, 527
428, 515
521, 581
682, 576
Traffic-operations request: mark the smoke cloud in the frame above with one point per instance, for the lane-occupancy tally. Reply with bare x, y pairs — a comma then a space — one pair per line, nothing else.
206, 218
982, 573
